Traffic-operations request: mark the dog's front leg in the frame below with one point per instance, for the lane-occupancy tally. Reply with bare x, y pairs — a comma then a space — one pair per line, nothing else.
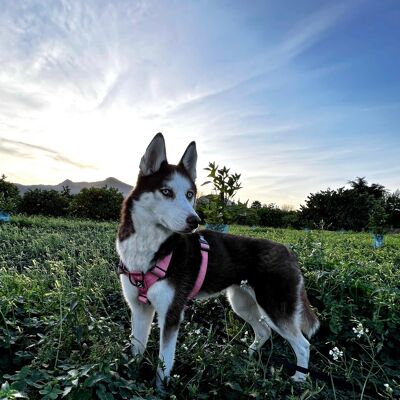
142, 317
169, 315
169, 328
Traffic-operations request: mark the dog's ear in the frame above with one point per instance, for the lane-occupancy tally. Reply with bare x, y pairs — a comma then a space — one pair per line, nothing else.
189, 160
154, 156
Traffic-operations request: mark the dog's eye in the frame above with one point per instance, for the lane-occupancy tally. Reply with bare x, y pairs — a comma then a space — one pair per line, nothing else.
189, 194
167, 192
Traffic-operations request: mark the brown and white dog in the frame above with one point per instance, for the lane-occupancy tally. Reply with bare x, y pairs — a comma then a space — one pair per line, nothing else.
157, 218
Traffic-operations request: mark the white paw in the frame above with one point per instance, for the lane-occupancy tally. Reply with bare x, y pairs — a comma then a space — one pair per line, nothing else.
253, 351
299, 377
161, 380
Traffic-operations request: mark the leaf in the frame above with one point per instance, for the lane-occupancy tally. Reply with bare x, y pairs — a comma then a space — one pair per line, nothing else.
66, 391
90, 382
103, 394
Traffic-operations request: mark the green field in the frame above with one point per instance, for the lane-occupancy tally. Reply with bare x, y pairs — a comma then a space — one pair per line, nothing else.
64, 329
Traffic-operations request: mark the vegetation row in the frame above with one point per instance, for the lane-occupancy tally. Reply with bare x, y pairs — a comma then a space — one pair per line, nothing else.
360, 207
64, 327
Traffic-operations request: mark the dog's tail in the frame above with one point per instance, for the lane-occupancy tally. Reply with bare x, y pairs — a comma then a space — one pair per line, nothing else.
309, 321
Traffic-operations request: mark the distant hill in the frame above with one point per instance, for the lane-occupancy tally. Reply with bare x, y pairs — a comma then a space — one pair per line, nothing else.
77, 186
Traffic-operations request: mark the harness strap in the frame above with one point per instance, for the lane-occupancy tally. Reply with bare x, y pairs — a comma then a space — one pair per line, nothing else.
143, 281
204, 249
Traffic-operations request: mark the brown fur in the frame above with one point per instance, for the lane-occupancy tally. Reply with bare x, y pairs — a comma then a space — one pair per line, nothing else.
146, 183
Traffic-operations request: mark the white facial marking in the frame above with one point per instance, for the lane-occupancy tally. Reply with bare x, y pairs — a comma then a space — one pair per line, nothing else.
172, 212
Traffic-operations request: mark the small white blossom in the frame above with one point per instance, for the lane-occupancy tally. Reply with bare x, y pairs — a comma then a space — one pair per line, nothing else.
388, 388
336, 353
197, 331
359, 330
176, 376
243, 283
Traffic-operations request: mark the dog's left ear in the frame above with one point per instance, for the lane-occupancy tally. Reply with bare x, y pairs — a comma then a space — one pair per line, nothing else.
189, 160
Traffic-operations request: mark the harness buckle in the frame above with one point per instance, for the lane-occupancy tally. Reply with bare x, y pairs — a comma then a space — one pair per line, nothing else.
139, 283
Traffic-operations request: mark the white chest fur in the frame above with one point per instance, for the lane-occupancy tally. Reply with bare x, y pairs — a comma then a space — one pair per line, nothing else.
138, 250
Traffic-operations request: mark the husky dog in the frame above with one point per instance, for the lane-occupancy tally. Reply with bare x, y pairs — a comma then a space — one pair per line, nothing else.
262, 279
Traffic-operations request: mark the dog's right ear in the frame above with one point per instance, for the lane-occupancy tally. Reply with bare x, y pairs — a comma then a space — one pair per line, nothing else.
154, 156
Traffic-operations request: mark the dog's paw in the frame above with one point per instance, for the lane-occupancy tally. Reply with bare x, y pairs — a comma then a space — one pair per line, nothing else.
299, 377
161, 381
253, 351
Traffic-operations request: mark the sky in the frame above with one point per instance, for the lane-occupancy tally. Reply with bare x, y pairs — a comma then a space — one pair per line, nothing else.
297, 96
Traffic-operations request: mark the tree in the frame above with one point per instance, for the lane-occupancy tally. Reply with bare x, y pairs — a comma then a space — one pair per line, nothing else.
9, 196
256, 205
97, 203
360, 185
392, 205
378, 216
44, 202
225, 186
343, 208
270, 215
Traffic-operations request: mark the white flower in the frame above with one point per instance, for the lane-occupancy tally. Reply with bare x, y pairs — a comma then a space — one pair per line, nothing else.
359, 330
388, 388
336, 353
197, 331
243, 283
176, 376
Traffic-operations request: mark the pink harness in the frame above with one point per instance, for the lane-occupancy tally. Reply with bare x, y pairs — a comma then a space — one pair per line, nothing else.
143, 281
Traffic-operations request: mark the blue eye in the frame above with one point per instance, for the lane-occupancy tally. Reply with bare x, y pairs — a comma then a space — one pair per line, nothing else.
167, 192
189, 194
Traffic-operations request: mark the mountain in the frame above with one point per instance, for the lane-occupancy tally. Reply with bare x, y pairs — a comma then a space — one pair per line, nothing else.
76, 187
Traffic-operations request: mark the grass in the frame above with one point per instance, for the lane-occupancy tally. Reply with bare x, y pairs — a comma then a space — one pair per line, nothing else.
64, 328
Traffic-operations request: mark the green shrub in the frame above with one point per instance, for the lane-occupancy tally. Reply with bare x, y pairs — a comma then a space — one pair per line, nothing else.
97, 203
9, 196
44, 202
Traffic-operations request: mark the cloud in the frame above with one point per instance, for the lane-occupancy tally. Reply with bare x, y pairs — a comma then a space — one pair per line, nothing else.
22, 149
244, 82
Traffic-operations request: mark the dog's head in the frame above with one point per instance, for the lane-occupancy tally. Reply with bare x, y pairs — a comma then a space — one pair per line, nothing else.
164, 194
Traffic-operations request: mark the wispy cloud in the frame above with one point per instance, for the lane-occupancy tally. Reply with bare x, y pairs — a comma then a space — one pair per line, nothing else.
245, 82
21, 149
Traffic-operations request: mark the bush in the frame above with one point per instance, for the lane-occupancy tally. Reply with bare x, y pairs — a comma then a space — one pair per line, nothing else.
271, 216
9, 196
243, 215
393, 209
97, 203
44, 202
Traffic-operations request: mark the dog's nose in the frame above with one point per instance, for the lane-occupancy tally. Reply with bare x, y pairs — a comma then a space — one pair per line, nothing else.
193, 221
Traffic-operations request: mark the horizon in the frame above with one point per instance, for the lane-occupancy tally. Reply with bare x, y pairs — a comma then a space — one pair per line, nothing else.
294, 97
201, 193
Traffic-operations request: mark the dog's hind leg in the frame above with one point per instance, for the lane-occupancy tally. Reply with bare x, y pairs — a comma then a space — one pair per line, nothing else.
289, 329
244, 305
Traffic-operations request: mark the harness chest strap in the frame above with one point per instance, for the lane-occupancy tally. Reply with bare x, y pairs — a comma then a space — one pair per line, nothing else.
143, 281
